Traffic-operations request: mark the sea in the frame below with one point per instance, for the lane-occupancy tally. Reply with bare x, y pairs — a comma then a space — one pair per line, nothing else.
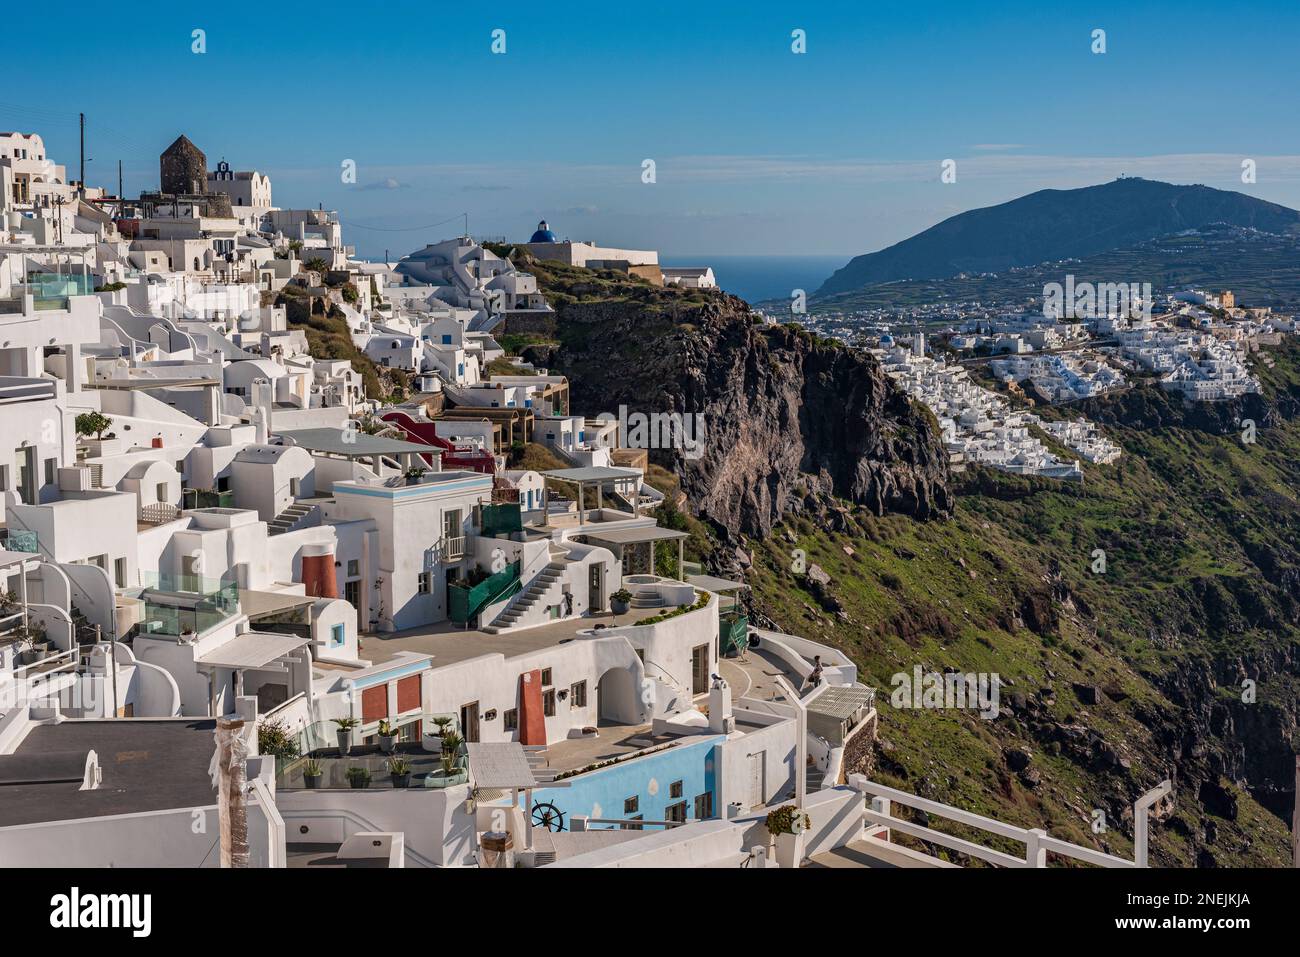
757, 278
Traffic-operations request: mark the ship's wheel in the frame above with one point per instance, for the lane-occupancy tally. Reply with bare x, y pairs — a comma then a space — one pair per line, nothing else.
546, 815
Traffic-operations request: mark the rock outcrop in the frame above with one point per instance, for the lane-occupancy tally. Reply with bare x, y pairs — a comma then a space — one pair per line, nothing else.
785, 415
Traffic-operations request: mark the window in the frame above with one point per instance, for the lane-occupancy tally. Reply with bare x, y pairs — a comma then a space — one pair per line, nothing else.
119, 572
161, 491
546, 677
676, 812
510, 720
704, 806
632, 805
426, 583
50, 465
675, 789
446, 340
548, 702
578, 695
4, 478
354, 568
336, 636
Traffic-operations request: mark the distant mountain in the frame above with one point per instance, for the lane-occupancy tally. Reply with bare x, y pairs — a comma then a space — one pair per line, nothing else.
1054, 224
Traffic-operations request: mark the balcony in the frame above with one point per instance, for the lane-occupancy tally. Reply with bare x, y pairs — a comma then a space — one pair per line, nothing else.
453, 549
182, 604
18, 540
26, 389
315, 748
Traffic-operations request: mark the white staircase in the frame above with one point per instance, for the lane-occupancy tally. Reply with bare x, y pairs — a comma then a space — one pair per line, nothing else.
546, 585
290, 518
646, 598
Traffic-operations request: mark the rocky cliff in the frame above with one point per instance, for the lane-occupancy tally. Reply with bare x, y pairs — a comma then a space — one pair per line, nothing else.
787, 419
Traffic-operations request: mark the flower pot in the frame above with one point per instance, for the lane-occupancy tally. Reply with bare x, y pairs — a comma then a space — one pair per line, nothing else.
401, 780
789, 849
618, 607
431, 742
387, 742
443, 779
359, 784
313, 781
345, 741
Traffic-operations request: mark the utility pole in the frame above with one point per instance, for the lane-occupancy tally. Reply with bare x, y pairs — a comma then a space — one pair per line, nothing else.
121, 199
83, 154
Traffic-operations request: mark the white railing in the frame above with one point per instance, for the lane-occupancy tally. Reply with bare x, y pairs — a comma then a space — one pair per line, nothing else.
1038, 843
454, 548
158, 513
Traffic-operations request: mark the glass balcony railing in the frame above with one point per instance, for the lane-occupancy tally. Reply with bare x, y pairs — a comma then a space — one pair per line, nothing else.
313, 758
18, 540
176, 605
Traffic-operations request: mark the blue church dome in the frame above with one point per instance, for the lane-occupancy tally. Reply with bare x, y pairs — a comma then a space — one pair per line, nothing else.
543, 234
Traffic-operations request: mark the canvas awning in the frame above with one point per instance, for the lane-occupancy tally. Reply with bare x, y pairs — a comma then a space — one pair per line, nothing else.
254, 649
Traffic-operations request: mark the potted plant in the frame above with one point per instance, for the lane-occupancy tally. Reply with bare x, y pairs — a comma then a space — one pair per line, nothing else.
432, 740
414, 474
387, 737
451, 742
449, 773
359, 778
34, 636
399, 769
345, 726
312, 774
788, 827
620, 601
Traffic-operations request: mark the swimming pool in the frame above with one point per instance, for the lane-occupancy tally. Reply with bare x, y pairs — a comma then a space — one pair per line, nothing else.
680, 778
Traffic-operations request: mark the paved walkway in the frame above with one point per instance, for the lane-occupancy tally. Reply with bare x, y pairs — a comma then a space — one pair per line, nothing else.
753, 674
450, 643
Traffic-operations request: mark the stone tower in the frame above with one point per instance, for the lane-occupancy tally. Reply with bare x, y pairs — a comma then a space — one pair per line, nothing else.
183, 169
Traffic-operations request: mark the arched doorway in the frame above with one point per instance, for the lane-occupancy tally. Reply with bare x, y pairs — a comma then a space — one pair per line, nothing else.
617, 701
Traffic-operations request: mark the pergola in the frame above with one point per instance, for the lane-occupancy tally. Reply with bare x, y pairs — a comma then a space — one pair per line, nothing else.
625, 482
621, 538
514, 767
251, 651
355, 444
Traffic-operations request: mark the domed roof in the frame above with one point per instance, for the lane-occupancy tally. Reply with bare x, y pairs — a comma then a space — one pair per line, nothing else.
543, 234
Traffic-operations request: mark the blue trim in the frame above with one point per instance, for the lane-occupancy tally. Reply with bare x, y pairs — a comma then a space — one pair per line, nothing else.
387, 676
408, 491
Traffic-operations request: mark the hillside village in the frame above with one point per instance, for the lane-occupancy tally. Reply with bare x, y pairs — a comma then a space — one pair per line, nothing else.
414, 567
1194, 344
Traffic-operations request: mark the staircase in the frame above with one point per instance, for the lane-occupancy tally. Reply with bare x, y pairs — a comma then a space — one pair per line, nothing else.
646, 598
83, 631
530, 597
290, 518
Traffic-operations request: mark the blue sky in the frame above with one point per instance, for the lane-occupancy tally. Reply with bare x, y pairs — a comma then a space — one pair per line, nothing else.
757, 150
